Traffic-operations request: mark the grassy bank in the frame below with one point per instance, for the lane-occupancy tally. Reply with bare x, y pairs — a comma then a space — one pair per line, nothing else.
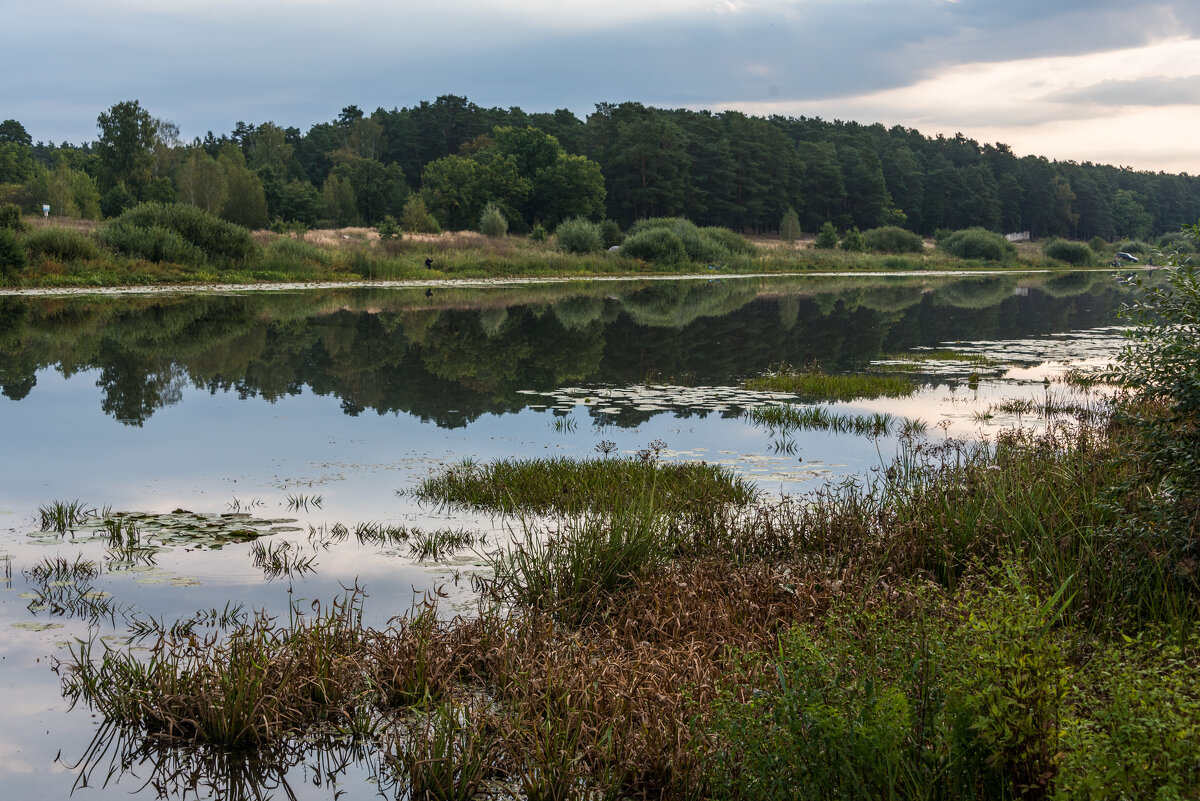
124, 252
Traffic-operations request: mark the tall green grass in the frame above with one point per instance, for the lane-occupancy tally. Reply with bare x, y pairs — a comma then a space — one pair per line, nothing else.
819, 386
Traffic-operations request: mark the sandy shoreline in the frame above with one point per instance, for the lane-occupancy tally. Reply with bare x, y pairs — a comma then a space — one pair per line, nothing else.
217, 288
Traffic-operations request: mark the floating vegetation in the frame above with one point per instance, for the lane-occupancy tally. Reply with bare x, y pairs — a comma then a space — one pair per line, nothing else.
572, 485
132, 534
781, 419
813, 385
607, 403
64, 516
919, 355
437, 545
282, 558
301, 501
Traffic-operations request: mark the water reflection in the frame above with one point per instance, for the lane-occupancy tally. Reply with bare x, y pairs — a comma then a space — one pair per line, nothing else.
465, 353
119, 756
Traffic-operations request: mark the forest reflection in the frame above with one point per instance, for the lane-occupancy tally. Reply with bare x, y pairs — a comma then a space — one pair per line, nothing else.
462, 353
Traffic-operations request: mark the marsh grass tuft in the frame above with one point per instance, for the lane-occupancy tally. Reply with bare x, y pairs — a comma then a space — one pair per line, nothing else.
575, 485
819, 386
301, 501
64, 516
282, 558
785, 419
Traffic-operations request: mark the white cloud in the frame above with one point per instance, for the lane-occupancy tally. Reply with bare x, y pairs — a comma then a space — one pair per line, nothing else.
1063, 107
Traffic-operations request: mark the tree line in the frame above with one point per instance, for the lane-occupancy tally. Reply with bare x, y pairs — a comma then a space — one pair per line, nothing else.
438, 164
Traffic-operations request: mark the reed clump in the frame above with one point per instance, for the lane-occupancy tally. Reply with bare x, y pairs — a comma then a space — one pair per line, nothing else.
819, 386
574, 485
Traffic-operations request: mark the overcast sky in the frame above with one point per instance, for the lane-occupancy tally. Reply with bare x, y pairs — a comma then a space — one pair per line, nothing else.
1114, 81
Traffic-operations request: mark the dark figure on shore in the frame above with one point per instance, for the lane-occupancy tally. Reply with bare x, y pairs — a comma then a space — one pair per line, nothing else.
429, 293
429, 263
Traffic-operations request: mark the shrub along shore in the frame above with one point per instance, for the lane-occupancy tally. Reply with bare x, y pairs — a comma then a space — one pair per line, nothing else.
1013, 619
178, 244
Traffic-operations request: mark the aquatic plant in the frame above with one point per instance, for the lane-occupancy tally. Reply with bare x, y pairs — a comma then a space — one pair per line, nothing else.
281, 558
572, 485
813, 385
301, 501
780, 419
63, 516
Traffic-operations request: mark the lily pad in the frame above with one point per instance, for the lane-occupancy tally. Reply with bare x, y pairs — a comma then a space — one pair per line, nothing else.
37, 626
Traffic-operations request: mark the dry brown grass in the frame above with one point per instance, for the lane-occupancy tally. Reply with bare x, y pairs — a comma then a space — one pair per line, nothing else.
82, 226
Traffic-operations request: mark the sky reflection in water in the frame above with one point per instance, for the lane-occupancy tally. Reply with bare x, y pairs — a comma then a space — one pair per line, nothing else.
209, 403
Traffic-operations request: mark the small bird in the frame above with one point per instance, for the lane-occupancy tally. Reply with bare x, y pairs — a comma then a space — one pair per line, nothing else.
429, 263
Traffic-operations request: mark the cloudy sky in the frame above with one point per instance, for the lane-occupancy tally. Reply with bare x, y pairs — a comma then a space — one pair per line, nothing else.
1115, 81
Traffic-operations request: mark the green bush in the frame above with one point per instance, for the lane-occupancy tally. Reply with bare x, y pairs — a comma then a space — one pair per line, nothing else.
388, 229
152, 243
176, 232
610, 232
12, 255
1073, 253
961, 705
656, 245
978, 243
1098, 244
789, 226
853, 241
492, 222
1139, 738
893, 239
579, 236
1159, 368
62, 244
734, 242
1134, 246
10, 217
416, 219
539, 233
286, 252
1179, 242
827, 237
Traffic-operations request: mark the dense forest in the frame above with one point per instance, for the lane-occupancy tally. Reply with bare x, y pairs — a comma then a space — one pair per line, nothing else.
437, 164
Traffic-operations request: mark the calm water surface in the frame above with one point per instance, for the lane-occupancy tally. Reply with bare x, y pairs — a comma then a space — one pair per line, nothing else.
234, 404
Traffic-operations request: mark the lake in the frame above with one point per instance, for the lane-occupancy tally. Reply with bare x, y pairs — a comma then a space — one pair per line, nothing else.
220, 421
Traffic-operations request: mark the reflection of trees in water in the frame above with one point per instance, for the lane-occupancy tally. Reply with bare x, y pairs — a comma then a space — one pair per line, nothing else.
976, 293
395, 353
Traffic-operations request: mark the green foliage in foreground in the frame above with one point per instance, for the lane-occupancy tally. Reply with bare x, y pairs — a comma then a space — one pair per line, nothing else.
574, 485
179, 233
1161, 367
815, 385
965, 704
